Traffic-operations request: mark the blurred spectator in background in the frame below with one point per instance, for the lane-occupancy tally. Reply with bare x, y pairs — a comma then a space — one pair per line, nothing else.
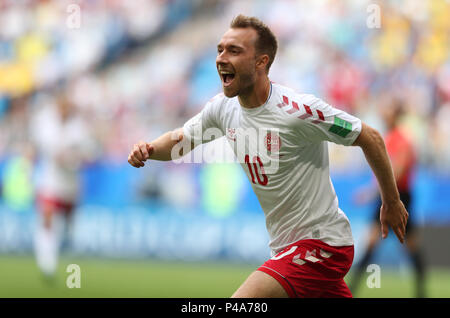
402, 155
17, 179
121, 60
63, 142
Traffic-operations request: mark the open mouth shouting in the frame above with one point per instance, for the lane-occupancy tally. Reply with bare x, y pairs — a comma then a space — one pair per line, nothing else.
227, 77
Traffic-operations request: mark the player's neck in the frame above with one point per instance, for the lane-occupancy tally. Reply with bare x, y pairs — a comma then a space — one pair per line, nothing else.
257, 95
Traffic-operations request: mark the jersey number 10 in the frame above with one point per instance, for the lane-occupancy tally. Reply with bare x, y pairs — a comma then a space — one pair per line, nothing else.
256, 160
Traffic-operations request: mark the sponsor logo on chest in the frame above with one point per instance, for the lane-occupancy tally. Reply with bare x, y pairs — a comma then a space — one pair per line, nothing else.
231, 134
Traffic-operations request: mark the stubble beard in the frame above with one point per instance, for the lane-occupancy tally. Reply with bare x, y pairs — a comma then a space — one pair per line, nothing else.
245, 86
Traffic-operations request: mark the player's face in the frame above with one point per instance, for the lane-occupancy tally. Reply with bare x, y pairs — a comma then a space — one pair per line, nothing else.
236, 61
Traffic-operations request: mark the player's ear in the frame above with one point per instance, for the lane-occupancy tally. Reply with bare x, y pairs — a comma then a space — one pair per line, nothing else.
262, 61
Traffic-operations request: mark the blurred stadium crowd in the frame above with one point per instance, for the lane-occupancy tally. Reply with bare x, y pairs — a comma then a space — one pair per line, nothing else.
132, 70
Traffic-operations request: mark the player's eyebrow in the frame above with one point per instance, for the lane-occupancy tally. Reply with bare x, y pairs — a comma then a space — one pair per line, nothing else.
230, 47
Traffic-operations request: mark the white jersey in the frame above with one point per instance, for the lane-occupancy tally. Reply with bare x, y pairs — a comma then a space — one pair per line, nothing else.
296, 193
61, 146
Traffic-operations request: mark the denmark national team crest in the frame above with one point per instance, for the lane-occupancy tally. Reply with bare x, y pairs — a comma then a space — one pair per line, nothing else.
272, 142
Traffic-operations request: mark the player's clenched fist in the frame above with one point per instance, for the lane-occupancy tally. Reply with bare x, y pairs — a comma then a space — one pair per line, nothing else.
140, 153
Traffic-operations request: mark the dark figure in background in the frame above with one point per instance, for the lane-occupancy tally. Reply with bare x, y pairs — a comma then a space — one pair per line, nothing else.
402, 156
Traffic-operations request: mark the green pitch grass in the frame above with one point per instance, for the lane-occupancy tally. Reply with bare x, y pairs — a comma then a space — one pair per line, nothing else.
19, 277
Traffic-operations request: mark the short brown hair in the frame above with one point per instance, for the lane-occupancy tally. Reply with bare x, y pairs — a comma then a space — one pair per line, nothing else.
266, 42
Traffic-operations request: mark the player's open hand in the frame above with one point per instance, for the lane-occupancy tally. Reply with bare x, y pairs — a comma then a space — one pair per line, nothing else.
139, 154
395, 216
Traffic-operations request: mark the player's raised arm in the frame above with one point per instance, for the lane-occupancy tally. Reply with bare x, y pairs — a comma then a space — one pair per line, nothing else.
393, 212
185, 139
159, 149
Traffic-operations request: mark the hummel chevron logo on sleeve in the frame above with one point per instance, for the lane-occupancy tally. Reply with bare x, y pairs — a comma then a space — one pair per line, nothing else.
308, 112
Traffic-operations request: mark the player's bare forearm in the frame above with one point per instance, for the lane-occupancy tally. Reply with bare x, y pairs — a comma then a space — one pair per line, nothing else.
161, 149
372, 144
163, 145
393, 212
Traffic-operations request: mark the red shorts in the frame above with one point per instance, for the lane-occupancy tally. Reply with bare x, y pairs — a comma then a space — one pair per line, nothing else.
311, 268
49, 204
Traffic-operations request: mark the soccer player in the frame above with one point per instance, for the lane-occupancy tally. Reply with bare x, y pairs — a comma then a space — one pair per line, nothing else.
310, 237
402, 155
63, 143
